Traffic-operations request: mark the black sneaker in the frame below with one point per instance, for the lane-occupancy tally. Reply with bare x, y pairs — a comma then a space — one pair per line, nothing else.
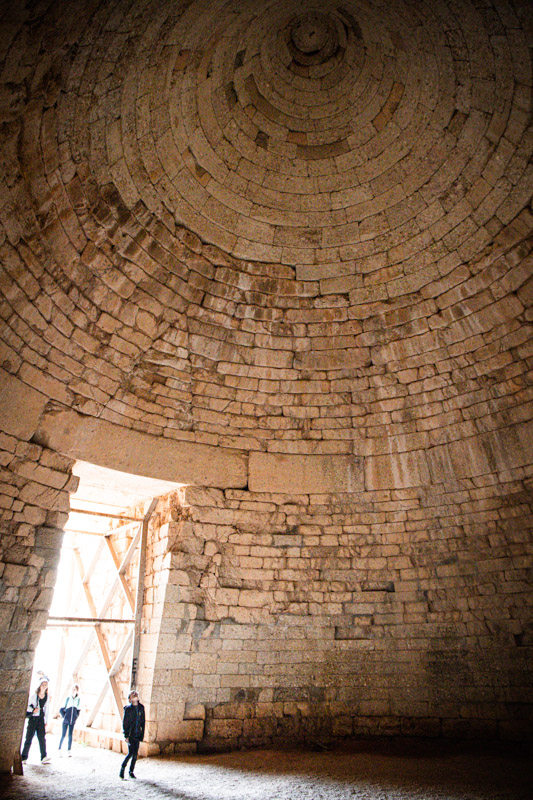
132, 775
121, 774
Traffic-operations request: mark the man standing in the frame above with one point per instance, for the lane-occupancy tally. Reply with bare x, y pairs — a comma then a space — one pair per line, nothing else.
133, 726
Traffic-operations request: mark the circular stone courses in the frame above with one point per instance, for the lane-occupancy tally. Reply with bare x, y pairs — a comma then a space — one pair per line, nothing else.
313, 35
224, 244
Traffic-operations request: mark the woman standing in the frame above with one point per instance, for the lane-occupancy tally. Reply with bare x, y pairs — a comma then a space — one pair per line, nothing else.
37, 713
70, 712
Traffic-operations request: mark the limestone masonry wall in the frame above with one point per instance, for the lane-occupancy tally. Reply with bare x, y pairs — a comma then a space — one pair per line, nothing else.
311, 617
34, 503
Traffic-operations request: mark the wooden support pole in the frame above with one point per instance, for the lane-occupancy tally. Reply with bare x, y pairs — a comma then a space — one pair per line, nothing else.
86, 574
85, 582
110, 680
68, 622
99, 606
123, 582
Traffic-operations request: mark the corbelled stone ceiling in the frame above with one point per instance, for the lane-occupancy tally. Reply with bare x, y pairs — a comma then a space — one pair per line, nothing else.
279, 252
270, 225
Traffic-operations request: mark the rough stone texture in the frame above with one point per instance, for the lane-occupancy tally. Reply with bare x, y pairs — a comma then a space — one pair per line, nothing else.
34, 502
275, 472
312, 618
167, 270
278, 233
107, 444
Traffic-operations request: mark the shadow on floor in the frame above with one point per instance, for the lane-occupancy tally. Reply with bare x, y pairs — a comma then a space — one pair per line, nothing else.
358, 770
400, 768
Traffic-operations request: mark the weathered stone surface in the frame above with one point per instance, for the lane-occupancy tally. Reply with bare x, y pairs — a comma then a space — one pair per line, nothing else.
108, 445
298, 474
20, 407
30, 542
363, 627
398, 470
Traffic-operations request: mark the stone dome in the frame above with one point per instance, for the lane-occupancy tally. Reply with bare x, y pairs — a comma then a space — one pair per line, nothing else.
279, 252
266, 228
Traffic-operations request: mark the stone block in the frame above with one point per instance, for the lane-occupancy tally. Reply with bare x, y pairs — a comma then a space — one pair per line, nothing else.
223, 728
421, 726
194, 711
397, 470
299, 474
180, 730
250, 598
106, 444
21, 406
469, 728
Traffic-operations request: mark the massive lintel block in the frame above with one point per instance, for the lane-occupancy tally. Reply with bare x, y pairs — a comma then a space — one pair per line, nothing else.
305, 474
109, 445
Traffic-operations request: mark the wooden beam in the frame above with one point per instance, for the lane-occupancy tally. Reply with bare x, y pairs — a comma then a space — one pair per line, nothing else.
57, 700
110, 680
109, 596
84, 582
62, 684
68, 622
97, 618
86, 574
123, 582
92, 533
104, 514
131, 550
121, 570
109, 666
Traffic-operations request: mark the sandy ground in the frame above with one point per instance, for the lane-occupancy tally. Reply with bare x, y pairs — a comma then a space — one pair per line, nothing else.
370, 770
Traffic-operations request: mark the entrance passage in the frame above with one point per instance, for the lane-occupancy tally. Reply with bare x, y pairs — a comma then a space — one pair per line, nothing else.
93, 631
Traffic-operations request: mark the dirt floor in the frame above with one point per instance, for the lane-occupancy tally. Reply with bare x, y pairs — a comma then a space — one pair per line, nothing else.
362, 770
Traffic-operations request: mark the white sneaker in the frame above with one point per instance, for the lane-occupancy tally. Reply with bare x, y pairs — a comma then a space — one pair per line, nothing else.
45, 760
69, 754
60, 754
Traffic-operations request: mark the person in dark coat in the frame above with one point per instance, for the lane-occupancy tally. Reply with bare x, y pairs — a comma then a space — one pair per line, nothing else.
133, 727
70, 711
37, 714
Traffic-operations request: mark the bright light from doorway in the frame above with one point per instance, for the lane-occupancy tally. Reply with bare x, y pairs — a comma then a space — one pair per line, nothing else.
103, 497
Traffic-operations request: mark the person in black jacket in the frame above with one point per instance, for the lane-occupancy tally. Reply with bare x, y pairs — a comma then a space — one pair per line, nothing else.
133, 726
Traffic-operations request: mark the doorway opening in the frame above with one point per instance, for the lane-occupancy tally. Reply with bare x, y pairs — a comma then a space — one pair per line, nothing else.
92, 637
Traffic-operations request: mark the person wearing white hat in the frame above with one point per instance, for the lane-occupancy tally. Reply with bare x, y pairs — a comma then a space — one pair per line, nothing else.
37, 714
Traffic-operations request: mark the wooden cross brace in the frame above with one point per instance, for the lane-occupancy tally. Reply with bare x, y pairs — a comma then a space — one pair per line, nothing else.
112, 667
